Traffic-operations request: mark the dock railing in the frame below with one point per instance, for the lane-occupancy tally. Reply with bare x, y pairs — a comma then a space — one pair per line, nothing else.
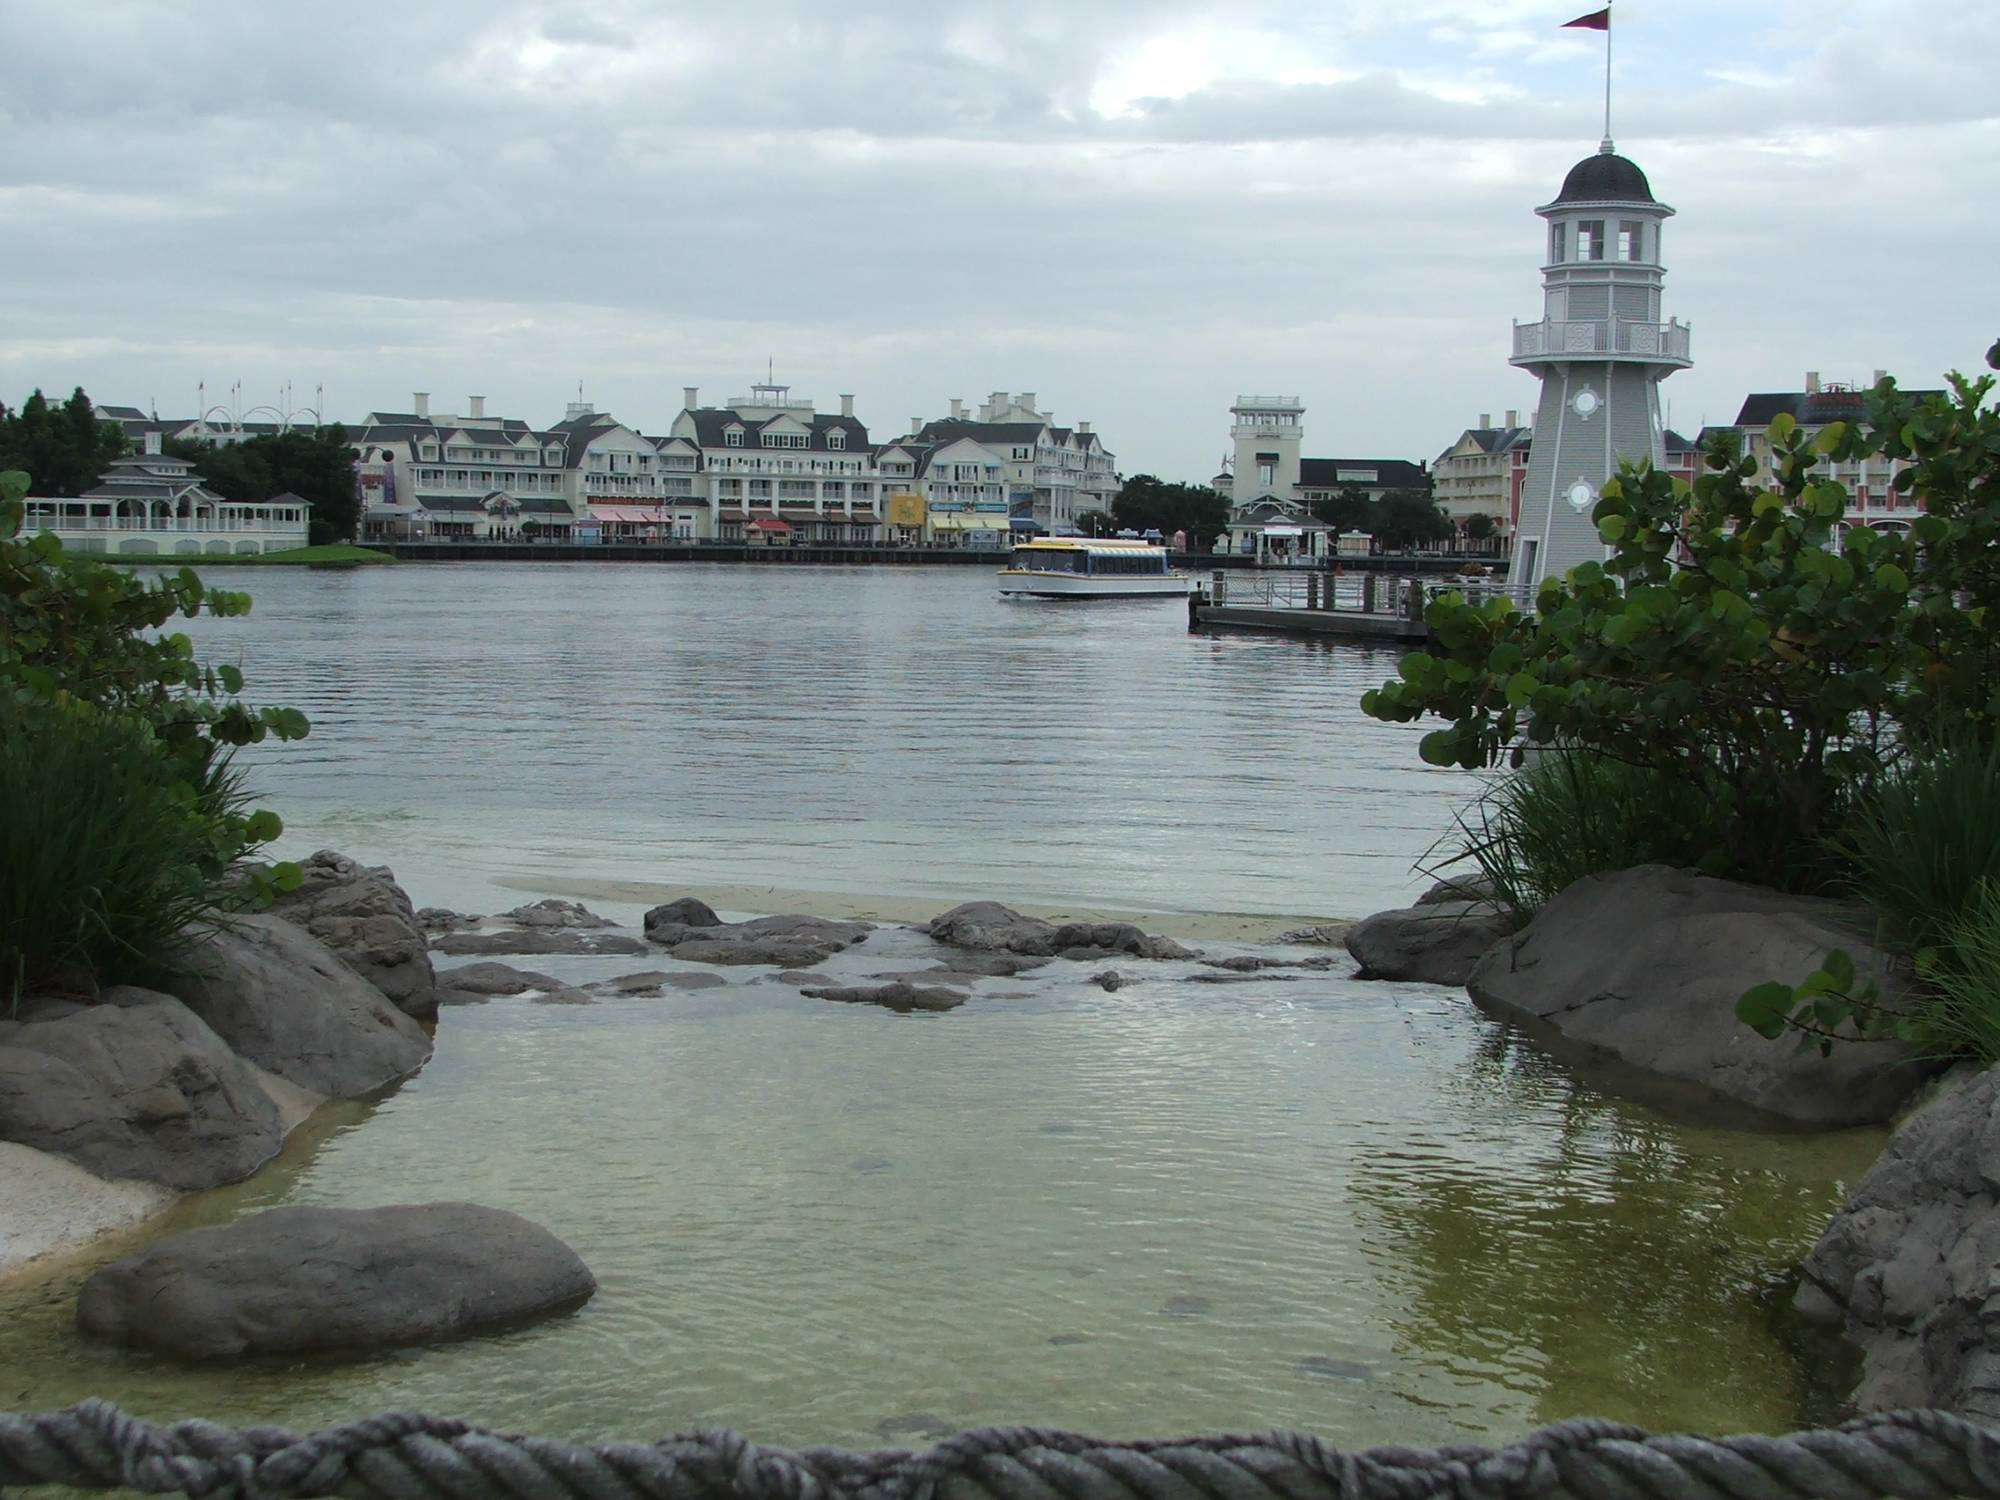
1350, 593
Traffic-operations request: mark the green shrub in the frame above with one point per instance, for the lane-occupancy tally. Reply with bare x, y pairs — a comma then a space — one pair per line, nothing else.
1567, 814
107, 853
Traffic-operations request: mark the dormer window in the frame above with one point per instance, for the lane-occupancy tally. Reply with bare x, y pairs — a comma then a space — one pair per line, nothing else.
734, 437
430, 452
836, 440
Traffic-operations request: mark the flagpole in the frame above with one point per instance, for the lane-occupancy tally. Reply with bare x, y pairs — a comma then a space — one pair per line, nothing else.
1607, 78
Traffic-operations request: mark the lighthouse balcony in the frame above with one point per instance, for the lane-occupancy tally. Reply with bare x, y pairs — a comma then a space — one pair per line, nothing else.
1554, 338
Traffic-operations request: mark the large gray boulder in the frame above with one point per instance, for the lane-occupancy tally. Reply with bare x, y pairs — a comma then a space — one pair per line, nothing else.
297, 1279
694, 934
987, 926
135, 1086
366, 918
1910, 1266
1644, 968
1436, 943
281, 999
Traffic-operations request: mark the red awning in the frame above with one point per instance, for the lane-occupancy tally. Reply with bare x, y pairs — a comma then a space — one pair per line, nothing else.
632, 515
764, 525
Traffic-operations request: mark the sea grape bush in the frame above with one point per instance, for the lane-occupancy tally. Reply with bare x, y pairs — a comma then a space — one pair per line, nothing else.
1725, 641
87, 661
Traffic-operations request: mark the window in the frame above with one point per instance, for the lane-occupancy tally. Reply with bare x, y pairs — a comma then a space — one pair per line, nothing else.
1556, 233
1590, 239
734, 437
836, 440
1631, 240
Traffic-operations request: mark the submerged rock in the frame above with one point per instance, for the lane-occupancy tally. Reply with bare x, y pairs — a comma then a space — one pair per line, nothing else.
1436, 944
532, 941
692, 933
1251, 963
299, 1279
653, 981
898, 995
1644, 968
485, 979
360, 913
990, 927
1909, 1268
441, 919
135, 1086
554, 913
1109, 980
278, 997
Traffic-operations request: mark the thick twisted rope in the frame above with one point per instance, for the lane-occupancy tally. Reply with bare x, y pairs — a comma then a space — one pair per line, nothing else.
1912, 1455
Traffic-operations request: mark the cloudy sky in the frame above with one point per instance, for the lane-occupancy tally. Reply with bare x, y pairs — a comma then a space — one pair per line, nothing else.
1134, 208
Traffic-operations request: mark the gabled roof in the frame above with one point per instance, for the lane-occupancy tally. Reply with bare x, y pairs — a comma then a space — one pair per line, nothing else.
711, 422
1809, 410
950, 429
1390, 473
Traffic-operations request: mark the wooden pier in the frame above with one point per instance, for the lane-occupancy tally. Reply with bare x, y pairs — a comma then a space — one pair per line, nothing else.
1368, 606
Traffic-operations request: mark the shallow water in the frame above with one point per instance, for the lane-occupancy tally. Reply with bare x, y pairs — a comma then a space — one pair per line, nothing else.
1360, 1209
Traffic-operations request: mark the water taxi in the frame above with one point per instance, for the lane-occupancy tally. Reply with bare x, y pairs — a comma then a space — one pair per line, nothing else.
1077, 567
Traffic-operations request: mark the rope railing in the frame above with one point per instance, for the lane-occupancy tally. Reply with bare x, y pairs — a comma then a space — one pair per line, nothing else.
1910, 1455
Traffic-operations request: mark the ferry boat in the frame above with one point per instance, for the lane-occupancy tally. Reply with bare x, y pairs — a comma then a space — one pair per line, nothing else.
1076, 567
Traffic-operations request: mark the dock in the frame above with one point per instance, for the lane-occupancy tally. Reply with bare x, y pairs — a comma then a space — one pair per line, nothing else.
1369, 606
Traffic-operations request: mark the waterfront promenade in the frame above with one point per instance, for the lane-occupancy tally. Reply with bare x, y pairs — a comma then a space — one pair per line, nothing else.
834, 553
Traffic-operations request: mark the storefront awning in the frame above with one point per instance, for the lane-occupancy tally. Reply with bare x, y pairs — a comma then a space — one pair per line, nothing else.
761, 524
630, 515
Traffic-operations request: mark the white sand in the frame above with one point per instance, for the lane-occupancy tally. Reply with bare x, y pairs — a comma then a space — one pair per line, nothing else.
49, 1205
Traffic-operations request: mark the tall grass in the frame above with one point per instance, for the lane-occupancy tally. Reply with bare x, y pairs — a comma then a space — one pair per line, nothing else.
107, 853
1923, 848
1568, 814
1962, 1014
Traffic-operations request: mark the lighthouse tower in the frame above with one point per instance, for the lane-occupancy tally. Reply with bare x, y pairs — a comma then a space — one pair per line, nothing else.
1600, 352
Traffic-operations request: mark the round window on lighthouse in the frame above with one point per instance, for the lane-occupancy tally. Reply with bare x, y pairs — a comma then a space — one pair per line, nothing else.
1585, 403
1580, 496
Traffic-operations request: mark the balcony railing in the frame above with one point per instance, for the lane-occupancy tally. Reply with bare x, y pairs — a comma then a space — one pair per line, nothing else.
1554, 338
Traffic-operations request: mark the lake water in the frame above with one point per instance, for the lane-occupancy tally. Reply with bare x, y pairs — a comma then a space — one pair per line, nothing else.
1301, 1200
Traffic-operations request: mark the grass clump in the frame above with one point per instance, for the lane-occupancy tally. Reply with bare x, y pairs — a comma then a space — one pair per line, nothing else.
1925, 846
1568, 813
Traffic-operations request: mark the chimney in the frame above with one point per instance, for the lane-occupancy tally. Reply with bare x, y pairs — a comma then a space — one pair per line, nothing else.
478, 405
847, 404
421, 400
1485, 420
1812, 382
690, 397
153, 440
1513, 419
957, 408
1084, 428
1879, 374
916, 425
578, 409
1028, 400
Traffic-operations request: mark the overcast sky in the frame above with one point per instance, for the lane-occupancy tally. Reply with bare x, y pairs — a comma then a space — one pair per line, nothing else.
1134, 208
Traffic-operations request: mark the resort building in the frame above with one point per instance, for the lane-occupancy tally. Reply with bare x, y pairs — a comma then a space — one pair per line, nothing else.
150, 505
1050, 474
768, 466
1873, 502
1272, 488
445, 477
1480, 474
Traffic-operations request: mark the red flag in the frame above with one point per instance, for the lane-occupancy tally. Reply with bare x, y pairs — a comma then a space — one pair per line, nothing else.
1597, 20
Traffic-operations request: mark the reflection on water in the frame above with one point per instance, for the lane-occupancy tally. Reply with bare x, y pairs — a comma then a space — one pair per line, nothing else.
889, 730
1318, 1203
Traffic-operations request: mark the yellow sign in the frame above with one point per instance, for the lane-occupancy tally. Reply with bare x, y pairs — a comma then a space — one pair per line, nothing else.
906, 510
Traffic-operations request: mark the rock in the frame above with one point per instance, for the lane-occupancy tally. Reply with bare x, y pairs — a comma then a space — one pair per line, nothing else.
990, 927
900, 995
1324, 936
1186, 1305
1910, 1266
538, 940
1644, 968
1460, 888
793, 942
652, 981
279, 998
689, 911
438, 919
1435, 944
135, 1086
1251, 963
1334, 1368
1109, 980
554, 913
366, 918
487, 978
299, 1279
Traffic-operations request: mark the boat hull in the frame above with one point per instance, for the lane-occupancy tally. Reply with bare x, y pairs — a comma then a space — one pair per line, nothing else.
1030, 584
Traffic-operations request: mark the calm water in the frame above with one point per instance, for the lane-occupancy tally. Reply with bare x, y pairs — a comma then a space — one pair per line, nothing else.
1359, 1209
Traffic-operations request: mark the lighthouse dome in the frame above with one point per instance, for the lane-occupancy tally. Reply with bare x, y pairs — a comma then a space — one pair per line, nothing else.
1605, 178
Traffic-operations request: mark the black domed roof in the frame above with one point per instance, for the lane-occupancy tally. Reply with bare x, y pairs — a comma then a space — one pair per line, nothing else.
1605, 178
